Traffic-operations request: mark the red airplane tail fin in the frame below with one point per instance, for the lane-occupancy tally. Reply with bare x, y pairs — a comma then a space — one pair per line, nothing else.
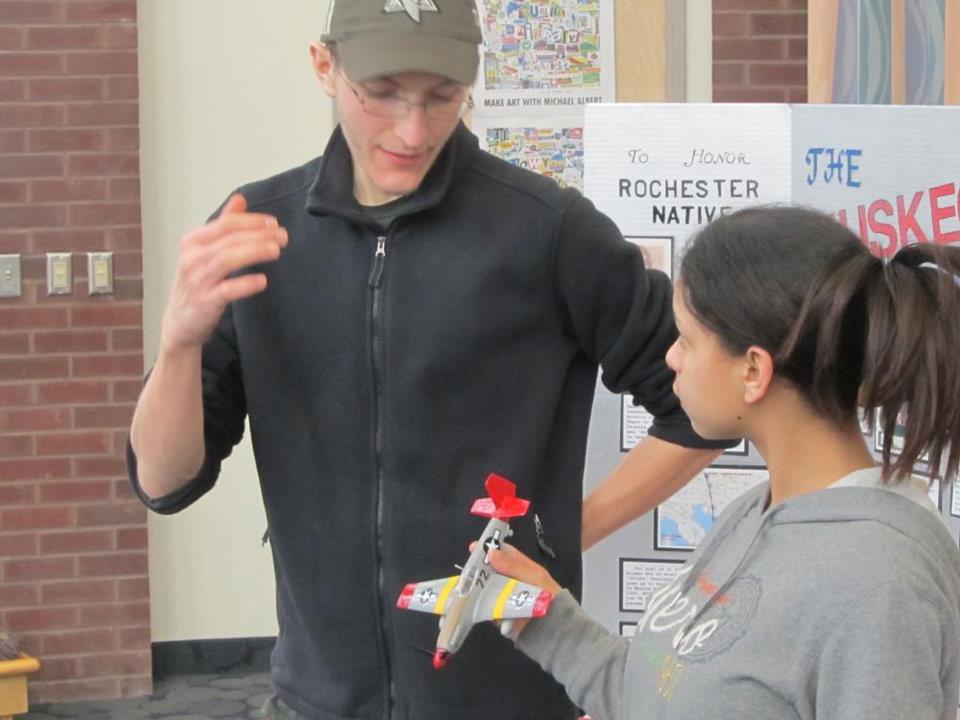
502, 501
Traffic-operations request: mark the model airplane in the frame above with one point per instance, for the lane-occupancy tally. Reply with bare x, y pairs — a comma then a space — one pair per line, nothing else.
479, 593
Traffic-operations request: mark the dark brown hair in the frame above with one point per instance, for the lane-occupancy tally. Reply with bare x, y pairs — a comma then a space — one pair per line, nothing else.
843, 326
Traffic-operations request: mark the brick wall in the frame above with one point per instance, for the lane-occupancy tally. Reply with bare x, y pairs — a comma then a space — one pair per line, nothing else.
73, 541
760, 51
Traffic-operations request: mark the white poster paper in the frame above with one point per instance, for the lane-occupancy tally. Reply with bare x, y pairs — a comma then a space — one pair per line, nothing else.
640, 578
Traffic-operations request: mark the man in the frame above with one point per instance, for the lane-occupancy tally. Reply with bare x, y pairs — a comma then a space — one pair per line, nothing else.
398, 319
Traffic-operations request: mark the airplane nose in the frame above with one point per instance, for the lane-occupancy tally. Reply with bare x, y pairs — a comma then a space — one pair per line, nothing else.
440, 658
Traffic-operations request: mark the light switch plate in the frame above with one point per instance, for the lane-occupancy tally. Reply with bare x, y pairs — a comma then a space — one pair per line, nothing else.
10, 276
100, 273
59, 273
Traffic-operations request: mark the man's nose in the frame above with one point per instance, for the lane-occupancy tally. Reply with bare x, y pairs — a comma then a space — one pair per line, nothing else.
412, 127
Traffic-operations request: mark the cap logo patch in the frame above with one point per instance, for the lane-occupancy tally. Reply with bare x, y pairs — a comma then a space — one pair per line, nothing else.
412, 8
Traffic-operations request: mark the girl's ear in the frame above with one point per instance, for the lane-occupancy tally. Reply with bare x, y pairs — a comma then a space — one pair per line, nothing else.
757, 374
323, 67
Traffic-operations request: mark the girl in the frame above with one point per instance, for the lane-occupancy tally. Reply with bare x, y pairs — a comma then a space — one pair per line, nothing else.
834, 590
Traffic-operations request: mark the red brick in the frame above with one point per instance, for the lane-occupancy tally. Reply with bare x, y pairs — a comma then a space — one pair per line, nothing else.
748, 94
128, 288
21, 12
64, 37
122, 140
34, 469
16, 395
748, 49
58, 692
750, 5
74, 592
107, 365
13, 192
105, 314
57, 668
779, 74
77, 541
103, 416
22, 166
13, 89
14, 242
730, 24
65, 393
16, 445
114, 564
118, 663
31, 115
68, 341
14, 343
54, 568
113, 514
134, 686
121, 62
56, 89
12, 38
124, 189
103, 114
68, 190
12, 142
35, 518
107, 213
77, 492
32, 419
100, 467
132, 539
725, 73
797, 49
126, 390
12, 318
77, 443
67, 140
797, 95
19, 596
788, 23
126, 339
18, 544
31, 216
101, 11
115, 615
112, 165
122, 87
73, 239
31, 64
24, 369
120, 36
123, 490
130, 238
134, 638
79, 642
18, 495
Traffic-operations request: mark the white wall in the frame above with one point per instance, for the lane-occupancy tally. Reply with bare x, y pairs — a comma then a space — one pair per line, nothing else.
227, 96
699, 54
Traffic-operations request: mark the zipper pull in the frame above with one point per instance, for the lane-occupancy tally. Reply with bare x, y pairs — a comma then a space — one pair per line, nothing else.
378, 259
541, 541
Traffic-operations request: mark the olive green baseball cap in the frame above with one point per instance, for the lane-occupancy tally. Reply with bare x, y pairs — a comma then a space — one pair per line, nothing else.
383, 37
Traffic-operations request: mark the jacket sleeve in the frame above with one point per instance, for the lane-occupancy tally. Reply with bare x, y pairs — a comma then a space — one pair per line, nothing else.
886, 659
224, 414
620, 314
581, 654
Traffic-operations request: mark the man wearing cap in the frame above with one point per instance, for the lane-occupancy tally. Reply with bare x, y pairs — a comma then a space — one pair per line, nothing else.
412, 314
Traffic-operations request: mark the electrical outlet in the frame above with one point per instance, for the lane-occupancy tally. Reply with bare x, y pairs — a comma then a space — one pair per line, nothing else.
100, 273
59, 273
10, 276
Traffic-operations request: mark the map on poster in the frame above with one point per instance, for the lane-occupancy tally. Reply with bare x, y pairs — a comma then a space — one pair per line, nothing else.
555, 152
683, 520
545, 55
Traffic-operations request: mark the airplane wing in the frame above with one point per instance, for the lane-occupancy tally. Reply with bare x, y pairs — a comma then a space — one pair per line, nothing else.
428, 596
505, 598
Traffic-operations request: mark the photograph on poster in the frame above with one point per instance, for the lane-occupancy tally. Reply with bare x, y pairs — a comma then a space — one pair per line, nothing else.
639, 578
896, 446
954, 499
628, 629
682, 521
555, 152
864, 419
657, 251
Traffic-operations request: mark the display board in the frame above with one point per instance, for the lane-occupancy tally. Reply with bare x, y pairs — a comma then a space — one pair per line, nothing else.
661, 172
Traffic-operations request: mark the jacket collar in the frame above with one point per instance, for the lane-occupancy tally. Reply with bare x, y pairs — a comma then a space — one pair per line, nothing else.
332, 191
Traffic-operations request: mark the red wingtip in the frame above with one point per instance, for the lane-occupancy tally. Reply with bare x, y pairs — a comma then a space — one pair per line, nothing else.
403, 602
499, 488
440, 658
542, 604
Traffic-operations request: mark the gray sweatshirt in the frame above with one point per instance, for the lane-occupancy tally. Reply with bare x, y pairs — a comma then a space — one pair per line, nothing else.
843, 603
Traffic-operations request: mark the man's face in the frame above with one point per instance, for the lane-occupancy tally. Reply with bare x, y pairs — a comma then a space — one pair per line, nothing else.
391, 155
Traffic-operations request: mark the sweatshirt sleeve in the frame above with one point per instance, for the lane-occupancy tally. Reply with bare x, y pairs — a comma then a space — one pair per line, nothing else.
620, 314
581, 654
224, 414
883, 660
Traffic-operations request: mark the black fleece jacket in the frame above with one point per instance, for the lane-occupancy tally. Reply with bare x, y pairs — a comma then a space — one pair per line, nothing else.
383, 387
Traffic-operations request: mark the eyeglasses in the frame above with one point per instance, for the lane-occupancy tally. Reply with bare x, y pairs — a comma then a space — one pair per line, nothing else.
391, 105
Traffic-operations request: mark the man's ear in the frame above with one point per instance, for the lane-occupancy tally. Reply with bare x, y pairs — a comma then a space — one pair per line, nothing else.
757, 374
323, 67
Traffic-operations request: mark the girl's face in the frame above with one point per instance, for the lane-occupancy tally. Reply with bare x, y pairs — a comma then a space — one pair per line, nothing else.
709, 379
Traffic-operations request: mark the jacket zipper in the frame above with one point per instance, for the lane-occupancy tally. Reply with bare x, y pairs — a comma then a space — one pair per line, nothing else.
377, 340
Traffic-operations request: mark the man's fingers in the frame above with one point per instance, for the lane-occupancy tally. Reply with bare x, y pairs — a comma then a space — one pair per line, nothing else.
236, 203
240, 287
240, 250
